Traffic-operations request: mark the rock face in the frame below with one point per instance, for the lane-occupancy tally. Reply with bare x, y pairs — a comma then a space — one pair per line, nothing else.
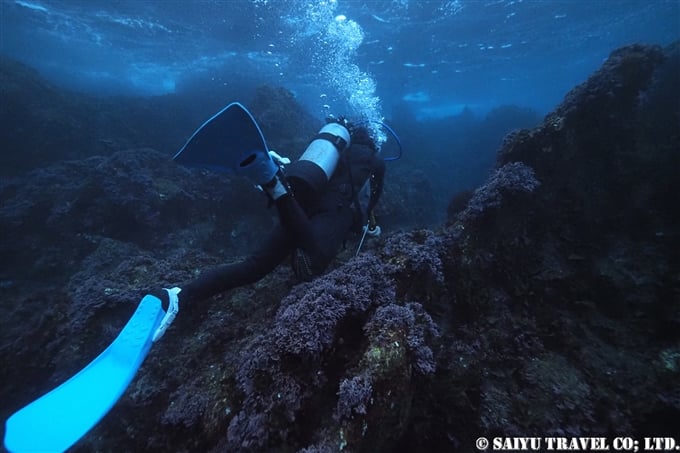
548, 305
563, 267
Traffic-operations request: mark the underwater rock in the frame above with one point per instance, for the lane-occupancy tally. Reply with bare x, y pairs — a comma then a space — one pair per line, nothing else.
566, 275
290, 375
374, 405
510, 179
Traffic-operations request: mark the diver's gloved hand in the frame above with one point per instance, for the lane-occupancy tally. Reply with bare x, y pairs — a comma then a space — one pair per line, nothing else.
170, 311
279, 159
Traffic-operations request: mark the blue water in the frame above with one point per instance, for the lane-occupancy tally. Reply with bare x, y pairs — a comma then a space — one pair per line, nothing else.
359, 57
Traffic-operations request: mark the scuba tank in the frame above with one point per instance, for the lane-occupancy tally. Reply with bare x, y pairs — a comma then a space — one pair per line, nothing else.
317, 164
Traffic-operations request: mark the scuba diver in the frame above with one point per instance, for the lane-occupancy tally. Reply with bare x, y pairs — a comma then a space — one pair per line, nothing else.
317, 200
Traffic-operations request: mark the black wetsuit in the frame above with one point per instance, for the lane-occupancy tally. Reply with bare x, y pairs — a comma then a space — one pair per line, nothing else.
313, 226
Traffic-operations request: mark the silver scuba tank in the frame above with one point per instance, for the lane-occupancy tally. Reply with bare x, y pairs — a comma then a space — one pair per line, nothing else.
325, 149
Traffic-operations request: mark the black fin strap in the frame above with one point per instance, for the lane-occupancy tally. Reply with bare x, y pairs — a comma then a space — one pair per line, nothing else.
337, 141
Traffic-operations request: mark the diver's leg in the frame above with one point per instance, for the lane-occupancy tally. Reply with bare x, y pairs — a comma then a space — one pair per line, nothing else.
328, 231
273, 251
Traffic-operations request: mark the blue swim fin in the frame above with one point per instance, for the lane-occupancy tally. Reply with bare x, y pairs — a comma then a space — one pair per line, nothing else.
59, 418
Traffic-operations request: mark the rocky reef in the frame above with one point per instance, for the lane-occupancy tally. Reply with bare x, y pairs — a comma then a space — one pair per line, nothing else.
548, 304
563, 270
